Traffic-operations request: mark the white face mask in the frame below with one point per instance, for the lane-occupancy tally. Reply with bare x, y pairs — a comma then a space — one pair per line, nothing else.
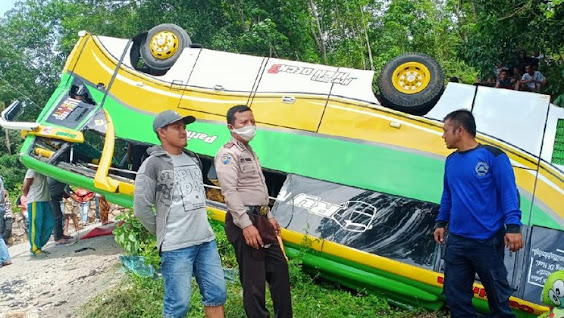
247, 132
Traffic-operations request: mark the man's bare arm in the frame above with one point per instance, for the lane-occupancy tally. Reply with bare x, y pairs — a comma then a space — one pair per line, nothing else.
26, 186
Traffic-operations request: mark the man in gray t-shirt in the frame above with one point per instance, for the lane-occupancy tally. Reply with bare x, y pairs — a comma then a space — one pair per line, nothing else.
41, 221
170, 183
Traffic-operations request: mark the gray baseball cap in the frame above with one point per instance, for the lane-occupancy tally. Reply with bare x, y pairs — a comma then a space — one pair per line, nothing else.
168, 117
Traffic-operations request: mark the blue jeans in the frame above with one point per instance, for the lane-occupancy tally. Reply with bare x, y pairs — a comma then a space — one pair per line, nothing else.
4, 254
178, 266
466, 257
84, 211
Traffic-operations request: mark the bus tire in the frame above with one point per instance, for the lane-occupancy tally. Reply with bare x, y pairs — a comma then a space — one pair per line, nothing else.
411, 83
163, 45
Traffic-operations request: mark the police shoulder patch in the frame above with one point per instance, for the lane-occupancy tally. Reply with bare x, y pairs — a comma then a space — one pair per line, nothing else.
225, 159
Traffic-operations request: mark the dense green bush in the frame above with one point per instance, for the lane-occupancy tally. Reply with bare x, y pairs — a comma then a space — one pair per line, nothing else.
13, 173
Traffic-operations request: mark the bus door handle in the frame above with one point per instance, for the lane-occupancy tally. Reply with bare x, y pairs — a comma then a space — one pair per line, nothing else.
288, 99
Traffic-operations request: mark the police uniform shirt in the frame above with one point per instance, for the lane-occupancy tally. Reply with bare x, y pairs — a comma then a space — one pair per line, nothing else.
241, 179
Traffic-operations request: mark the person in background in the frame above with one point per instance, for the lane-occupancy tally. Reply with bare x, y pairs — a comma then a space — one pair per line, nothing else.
56, 188
2, 191
41, 221
532, 80
104, 210
498, 69
83, 197
505, 81
7, 219
21, 203
5, 259
520, 63
70, 206
536, 59
97, 205
6, 216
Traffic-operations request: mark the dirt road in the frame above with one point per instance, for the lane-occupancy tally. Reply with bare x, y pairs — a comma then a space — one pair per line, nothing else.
56, 285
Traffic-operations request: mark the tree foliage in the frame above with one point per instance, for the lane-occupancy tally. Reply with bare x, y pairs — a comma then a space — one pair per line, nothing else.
467, 37
494, 31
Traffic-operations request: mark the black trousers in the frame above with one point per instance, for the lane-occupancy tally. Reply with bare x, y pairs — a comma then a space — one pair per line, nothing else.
58, 216
257, 267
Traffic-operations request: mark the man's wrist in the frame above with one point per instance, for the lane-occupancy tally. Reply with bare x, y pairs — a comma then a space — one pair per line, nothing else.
440, 224
241, 222
512, 228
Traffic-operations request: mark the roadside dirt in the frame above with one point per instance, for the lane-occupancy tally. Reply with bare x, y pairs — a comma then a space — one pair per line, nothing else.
58, 284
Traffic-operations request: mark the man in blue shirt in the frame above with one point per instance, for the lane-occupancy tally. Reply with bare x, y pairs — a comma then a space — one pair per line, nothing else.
480, 204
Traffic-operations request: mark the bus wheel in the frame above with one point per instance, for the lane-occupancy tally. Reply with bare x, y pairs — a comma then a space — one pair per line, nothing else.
163, 45
411, 83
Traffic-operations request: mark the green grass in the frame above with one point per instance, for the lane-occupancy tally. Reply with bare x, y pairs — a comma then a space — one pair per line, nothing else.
311, 297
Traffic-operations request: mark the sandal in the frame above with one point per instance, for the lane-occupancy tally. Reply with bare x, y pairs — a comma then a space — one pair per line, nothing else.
64, 241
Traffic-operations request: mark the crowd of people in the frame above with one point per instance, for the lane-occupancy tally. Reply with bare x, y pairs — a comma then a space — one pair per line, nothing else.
47, 207
522, 74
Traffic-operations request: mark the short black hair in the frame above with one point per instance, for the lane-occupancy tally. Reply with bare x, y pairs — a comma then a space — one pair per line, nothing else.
504, 71
454, 79
464, 118
234, 110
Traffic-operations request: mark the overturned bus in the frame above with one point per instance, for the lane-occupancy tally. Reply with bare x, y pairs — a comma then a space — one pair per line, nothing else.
359, 182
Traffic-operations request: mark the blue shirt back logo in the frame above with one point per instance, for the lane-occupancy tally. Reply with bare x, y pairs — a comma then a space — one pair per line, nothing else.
482, 169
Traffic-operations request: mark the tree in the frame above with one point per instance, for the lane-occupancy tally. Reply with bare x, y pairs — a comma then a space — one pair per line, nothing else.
495, 31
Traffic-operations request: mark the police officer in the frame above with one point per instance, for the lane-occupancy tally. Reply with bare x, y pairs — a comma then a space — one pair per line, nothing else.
249, 224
